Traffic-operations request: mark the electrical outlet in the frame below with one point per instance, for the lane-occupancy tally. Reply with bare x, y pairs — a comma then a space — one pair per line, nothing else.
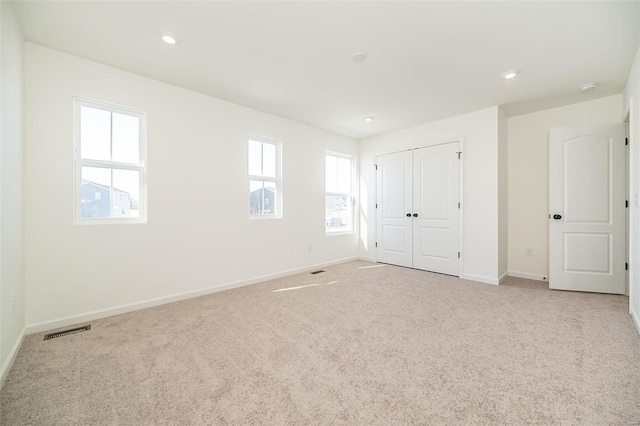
309, 247
528, 252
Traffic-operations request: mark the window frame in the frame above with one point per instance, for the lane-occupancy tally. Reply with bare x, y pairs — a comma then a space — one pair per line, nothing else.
78, 162
277, 179
351, 194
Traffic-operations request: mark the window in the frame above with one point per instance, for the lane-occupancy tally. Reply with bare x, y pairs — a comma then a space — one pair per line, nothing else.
339, 193
265, 178
110, 165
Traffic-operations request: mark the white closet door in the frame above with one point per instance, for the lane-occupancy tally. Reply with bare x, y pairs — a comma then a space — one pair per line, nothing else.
587, 209
436, 226
393, 197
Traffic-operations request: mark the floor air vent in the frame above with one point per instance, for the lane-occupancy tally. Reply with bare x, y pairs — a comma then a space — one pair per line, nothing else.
67, 332
317, 272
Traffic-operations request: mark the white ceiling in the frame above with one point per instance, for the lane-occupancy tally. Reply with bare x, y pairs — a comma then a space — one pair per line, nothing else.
426, 60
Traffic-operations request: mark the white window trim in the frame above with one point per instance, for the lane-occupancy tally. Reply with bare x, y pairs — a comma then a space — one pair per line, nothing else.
277, 180
78, 162
352, 159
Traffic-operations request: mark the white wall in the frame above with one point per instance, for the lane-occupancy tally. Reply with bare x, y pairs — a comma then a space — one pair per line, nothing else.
503, 209
479, 131
528, 177
632, 106
198, 233
12, 285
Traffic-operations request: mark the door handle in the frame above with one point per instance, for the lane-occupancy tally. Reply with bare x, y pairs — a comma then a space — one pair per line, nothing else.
408, 214
557, 216
415, 215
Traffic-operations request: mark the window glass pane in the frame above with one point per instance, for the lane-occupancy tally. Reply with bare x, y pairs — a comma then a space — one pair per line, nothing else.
256, 189
95, 134
96, 192
262, 197
126, 138
331, 173
339, 213
269, 159
97, 201
126, 193
344, 175
270, 193
255, 158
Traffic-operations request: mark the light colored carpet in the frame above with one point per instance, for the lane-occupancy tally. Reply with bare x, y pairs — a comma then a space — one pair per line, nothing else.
361, 344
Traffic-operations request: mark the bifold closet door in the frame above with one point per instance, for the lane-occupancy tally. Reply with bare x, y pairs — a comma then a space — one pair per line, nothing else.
436, 227
394, 209
417, 213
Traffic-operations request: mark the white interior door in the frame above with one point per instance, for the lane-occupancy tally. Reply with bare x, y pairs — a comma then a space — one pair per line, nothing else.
436, 227
587, 209
394, 203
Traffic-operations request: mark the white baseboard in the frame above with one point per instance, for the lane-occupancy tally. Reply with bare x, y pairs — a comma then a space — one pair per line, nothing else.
103, 313
527, 276
502, 277
367, 259
8, 363
636, 318
480, 279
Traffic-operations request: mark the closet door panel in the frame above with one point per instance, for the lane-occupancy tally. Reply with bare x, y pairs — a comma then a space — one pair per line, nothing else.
394, 201
436, 228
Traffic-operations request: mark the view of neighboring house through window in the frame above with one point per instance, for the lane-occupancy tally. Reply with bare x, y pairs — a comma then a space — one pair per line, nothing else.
265, 184
109, 163
339, 193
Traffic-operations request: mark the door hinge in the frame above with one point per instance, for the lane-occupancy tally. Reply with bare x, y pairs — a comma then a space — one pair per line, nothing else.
459, 154
376, 205
376, 244
458, 255
626, 204
376, 166
626, 141
626, 266
458, 204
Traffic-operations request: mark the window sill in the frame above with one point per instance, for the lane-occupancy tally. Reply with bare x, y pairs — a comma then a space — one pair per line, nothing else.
85, 222
264, 217
335, 234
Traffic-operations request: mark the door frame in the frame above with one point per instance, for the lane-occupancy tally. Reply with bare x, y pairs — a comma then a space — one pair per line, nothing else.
630, 120
627, 120
460, 141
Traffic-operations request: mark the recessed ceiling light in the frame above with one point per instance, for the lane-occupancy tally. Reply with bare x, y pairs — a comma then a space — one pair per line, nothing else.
368, 119
169, 38
509, 75
587, 87
359, 56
